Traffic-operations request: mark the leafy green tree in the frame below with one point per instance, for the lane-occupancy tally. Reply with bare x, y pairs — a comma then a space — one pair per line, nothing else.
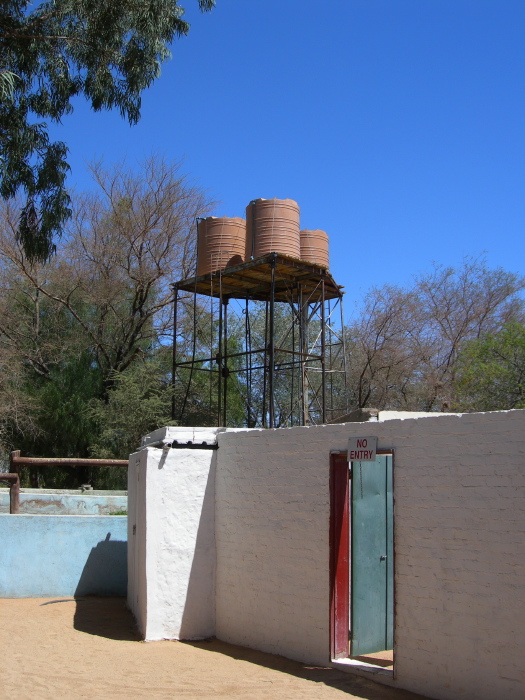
140, 401
492, 372
65, 429
107, 51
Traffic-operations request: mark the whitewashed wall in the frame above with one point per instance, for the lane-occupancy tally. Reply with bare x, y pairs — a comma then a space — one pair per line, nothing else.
258, 510
172, 542
459, 537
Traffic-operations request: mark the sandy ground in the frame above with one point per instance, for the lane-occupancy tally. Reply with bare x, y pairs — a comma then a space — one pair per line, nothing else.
89, 648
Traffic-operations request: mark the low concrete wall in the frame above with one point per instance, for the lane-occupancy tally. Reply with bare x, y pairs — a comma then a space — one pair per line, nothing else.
62, 555
66, 502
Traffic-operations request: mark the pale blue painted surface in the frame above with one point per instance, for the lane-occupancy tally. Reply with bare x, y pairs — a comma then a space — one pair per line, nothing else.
44, 556
66, 502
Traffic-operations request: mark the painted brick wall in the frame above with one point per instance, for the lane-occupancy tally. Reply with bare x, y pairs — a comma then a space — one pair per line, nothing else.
459, 536
272, 516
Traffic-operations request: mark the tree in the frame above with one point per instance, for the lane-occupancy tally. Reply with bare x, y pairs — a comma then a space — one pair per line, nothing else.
108, 287
100, 306
107, 51
491, 371
405, 345
139, 402
18, 409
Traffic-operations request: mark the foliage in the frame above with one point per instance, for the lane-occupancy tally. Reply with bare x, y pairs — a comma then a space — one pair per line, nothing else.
64, 428
404, 347
107, 290
101, 307
107, 51
492, 371
139, 402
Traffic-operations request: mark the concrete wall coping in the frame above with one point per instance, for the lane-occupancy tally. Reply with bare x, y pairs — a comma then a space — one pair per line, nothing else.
171, 435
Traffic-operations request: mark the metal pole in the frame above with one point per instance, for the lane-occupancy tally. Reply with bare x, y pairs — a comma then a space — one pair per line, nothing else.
271, 378
303, 332
225, 354
292, 397
174, 351
66, 461
248, 347
265, 365
331, 335
219, 362
323, 358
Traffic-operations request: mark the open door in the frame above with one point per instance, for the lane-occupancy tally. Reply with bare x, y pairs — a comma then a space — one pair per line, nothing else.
372, 555
361, 553
339, 555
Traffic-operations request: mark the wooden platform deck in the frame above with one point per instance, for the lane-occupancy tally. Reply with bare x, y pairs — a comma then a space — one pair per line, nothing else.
253, 280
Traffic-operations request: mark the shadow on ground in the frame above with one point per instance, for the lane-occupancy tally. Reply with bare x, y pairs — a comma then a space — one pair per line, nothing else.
345, 682
105, 617
110, 618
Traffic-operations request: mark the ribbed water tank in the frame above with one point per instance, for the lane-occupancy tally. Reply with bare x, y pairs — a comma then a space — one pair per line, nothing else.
314, 247
221, 241
272, 225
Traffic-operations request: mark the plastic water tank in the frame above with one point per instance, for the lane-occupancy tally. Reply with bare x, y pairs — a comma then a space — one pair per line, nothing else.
272, 225
314, 247
221, 242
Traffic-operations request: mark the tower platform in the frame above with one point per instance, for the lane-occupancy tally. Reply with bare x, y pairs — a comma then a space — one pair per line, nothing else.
253, 280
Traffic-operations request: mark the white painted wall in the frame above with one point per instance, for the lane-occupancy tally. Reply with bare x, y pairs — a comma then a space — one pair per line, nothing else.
459, 537
272, 526
172, 568
137, 584
459, 528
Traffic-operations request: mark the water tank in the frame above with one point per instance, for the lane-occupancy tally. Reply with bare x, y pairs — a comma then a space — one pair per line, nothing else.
314, 247
272, 225
220, 243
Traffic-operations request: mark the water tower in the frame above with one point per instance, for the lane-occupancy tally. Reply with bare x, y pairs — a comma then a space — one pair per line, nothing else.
261, 339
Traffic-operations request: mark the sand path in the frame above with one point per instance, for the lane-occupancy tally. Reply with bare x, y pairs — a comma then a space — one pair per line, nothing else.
88, 648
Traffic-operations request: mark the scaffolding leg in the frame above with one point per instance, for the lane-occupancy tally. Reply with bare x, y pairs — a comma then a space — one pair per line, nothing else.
271, 359
225, 370
323, 358
174, 352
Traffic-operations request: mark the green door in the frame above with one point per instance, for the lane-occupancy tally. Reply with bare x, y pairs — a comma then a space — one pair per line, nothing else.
372, 592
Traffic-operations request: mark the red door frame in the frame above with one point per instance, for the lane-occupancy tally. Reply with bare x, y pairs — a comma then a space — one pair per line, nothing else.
339, 555
340, 552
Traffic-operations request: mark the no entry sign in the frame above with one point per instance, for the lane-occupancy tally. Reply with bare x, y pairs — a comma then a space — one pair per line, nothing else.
362, 449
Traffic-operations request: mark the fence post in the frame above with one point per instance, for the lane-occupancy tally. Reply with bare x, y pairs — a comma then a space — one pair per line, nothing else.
14, 496
14, 468
14, 489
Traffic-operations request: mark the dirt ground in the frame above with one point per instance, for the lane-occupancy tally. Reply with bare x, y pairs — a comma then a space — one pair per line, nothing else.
88, 648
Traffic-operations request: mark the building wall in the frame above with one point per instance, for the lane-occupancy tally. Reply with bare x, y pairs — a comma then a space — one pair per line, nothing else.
272, 526
137, 582
459, 526
44, 556
172, 542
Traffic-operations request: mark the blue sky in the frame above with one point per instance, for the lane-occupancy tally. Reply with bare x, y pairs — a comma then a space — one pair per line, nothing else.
398, 125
